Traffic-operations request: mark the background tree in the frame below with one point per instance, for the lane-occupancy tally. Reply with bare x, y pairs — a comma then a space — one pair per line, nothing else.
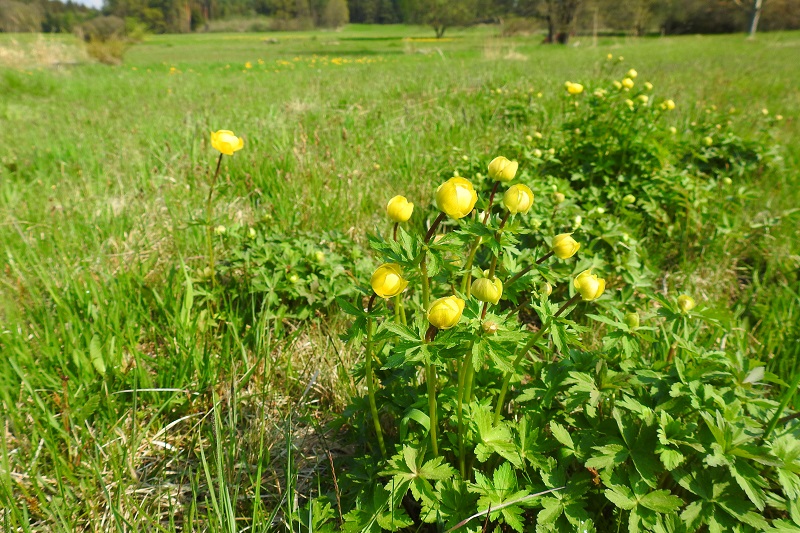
443, 14
336, 14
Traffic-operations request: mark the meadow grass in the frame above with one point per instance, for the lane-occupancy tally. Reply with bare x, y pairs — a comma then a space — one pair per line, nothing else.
211, 419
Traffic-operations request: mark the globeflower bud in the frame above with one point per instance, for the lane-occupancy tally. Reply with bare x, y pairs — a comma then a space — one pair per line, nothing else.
727, 181
501, 169
673, 130
399, 209
445, 313
564, 246
685, 303
387, 280
617, 85
648, 86
559, 197
251, 233
627, 83
489, 327
220, 230
456, 197
708, 141
487, 290
643, 98
589, 285
226, 142
293, 278
632, 320
632, 73
546, 289
537, 153
319, 256
518, 199
669, 105
628, 199
573, 88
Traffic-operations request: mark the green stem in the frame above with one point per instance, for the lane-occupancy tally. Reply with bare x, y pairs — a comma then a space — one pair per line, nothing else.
491, 201
460, 399
522, 353
430, 379
465, 281
210, 228
787, 397
373, 407
426, 287
527, 269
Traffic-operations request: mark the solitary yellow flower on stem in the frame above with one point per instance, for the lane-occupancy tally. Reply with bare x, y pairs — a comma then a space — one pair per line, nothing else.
669, 105
226, 142
456, 197
445, 313
627, 83
501, 169
558, 197
589, 285
632, 73
708, 141
564, 246
617, 85
648, 86
573, 88
518, 199
487, 290
685, 303
399, 209
387, 281
643, 98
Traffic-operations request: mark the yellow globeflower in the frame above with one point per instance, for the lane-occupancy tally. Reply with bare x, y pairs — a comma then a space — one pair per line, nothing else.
226, 142
399, 209
518, 199
501, 169
564, 246
558, 197
632, 320
632, 73
669, 105
617, 85
643, 98
445, 313
589, 285
573, 88
648, 86
456, 197
627, 83
487, 290
387, 280
685, 303
708, 141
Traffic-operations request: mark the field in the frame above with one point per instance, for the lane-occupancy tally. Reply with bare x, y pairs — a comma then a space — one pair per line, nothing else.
144, 388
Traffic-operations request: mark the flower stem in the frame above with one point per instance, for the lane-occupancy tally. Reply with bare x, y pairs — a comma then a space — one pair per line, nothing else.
491, 201
467, 279
423, 263
527, 269
522, 353
210, 229
396, 225
373, 407
787, 397
462, 368
430, 379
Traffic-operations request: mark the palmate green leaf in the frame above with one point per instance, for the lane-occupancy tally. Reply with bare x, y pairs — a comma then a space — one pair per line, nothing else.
493, 438
611, 455
408, 469
621, 496
501, 489
454, 503
786, 449
562, 435
661, 501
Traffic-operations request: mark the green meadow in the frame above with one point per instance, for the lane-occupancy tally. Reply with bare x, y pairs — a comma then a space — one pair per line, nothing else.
141, 390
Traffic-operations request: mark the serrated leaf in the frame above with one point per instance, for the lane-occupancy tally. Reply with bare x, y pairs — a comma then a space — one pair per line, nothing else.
661, 501
621, 497
562, 435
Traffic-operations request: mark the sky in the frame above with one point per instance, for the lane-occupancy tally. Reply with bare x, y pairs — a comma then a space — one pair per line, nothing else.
91, 3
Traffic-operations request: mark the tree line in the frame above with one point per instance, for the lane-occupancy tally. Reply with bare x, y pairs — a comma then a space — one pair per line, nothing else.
557, 19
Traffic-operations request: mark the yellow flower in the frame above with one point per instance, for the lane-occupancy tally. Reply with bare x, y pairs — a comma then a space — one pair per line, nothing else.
629, 103
487, 290
558, 197
669, 105
589, 285
627, 83
617, 85
220, 230
537, 153
628, 199
387, 281
632, 73
708, 141
673, 130
610, 57
564, 246
643, 98
573, 88
648, 86
518, 199
226, 142
445, 313
456, 197
501, 169
399, 209
685, 303
248, 65
632, 320
765, 111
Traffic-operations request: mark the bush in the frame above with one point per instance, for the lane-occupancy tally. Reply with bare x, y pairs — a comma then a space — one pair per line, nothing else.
336, 14
103, 29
